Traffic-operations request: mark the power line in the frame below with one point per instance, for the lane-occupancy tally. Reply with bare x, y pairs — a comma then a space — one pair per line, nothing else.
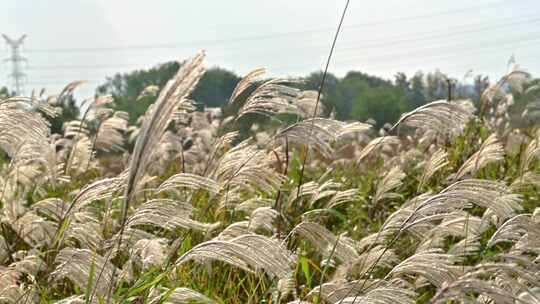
490, 5
348, 61
370, 44
429, 52
424, 54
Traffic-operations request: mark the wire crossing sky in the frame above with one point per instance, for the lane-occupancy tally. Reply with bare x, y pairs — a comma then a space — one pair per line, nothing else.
91, 39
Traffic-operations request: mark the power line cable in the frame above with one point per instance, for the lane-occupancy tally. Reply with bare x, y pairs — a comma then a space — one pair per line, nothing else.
490, 5
375, 44
390, 59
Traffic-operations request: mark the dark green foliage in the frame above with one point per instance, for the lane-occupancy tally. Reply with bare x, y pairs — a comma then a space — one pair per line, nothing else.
70, 111
130, 85
353, 85
415, 93
213, 90
329, 93
350, 97
4, 92
345, 96
215, 87
384, 105
126, 88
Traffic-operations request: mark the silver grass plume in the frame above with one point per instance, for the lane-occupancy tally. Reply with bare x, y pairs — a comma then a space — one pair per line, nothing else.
530, 296
420, 213
149, 252
249, 168
183, 295
487, 194
375, 144
437, 161
342, 197
515, 79
286, 286
435, 266
167, 214
92, 104
25, 137
525, 180
522, 229
231, 199
395, 222
77, 264
320, 133
85, 230
263, 218
514, 272
253, 203
315, 192
490, 151
461, 225
97, 190
157, 120
66, 92
221, 144
531, 153
250, 252
462, 289
132, 236
335, 290
444, 117
18, 124
190, 181
382, 295
80, 157
151, 90
466, 247
234, 230
377, 256
390, 181
245, 83
274, 97
75, 299
110, 135
324, 240
74, 128
10, 291
33, 229
50, 207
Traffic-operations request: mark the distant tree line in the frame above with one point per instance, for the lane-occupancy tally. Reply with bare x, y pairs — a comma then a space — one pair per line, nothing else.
356, 96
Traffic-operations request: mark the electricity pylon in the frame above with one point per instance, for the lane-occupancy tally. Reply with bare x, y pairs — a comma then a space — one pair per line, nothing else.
16, 60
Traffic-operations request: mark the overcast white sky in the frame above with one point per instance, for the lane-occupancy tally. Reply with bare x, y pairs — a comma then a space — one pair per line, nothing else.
90, 39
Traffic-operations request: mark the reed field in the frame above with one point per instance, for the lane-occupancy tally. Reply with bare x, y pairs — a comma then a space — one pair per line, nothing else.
440, 207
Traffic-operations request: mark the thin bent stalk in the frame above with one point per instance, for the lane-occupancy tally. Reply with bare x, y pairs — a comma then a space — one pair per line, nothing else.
319, 92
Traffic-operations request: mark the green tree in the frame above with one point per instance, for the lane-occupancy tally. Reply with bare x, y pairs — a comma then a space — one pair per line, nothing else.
213, 90
215, 87
436, 86
353, 85
4, 93
416, 96
70, 111
383, 104
329, 98
126, 88
402, 82
481, 83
